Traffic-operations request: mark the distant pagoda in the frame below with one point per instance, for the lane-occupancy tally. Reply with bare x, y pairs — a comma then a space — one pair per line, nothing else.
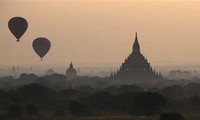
71, 72
136, 68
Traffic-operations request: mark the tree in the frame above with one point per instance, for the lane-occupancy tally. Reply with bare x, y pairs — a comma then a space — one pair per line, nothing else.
101, 101
122, 102
195, 101
130, 88
192, 89
147, 103
15, 110
77, 108
171, 116
32, 109
174, 92
59, 113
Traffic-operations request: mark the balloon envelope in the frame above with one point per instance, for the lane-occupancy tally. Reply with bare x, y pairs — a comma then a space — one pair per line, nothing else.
41, 46
18, 26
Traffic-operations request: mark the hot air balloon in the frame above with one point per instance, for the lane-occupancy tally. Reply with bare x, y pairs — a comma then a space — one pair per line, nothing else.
41, 46
18, 26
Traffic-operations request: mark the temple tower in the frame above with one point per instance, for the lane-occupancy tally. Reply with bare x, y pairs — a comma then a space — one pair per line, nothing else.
136, 68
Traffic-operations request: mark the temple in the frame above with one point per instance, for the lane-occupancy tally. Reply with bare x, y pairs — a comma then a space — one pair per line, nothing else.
136, 68
71, 73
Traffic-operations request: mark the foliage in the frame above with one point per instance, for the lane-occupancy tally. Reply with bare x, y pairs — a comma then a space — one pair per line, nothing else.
32, 109
77, 108
15, 110
101, 101
174, 91
59, 113
171, 116
147, 103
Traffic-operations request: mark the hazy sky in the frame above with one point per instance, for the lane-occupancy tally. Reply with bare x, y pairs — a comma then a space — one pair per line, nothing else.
102, 31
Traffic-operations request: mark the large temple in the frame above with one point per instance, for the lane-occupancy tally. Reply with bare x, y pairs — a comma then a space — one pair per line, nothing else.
136, 68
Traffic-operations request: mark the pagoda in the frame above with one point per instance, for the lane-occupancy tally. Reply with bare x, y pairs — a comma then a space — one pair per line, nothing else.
71, 73
136, 68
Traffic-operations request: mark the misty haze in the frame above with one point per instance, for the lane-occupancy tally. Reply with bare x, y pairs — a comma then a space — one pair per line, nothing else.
99, 60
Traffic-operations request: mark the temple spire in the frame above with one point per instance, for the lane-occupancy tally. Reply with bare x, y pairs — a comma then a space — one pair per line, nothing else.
136, 46
71, 65
71, 72
136, 38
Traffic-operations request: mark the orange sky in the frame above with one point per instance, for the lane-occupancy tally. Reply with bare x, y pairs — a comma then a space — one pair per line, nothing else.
102, 31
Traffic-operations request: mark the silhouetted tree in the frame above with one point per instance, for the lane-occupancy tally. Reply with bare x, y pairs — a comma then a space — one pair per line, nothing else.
171, 116
195, 100
59, 113
101, 101
15, 110
147, 103
86, 88
5, 100
35, 90
32, 109
122, 102
77, 108
69, 93
130, 88
173, 92
112, 90
192, 89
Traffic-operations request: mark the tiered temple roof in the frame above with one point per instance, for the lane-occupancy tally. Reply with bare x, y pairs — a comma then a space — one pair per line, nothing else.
136, 68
